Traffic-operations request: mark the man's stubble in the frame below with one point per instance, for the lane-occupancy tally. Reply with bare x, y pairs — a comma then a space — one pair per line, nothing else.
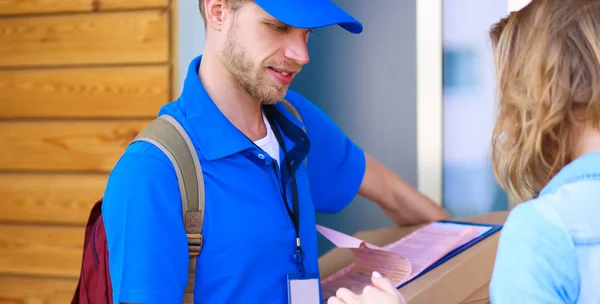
251, 79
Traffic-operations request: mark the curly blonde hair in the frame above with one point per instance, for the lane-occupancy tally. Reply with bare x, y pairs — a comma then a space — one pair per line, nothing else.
547, 58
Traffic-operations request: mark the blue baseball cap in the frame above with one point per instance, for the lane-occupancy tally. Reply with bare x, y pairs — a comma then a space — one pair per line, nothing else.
310, 14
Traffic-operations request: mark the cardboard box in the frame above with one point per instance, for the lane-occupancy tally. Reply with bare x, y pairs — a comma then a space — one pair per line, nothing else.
462, 279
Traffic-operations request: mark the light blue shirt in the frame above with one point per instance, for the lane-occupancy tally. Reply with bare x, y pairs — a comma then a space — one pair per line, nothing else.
549, 249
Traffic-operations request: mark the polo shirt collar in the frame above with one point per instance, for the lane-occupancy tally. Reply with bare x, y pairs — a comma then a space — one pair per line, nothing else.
212, 133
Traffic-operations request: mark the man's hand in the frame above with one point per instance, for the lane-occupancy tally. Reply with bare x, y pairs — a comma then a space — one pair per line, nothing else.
382, 292
398, 199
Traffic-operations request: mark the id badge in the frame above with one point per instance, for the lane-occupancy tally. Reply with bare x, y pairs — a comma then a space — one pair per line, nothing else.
304, 290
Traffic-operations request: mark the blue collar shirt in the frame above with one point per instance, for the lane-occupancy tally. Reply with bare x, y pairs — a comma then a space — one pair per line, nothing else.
249, 238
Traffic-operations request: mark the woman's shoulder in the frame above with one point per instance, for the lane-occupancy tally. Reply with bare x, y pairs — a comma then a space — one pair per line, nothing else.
531, 220
536, 260
572, 208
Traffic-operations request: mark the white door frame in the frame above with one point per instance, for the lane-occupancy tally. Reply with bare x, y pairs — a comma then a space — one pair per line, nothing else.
429, 99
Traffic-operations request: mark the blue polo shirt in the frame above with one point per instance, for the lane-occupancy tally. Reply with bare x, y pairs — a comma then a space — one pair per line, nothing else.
249, 238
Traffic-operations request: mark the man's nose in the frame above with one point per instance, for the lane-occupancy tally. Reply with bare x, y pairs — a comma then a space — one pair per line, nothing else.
297, 49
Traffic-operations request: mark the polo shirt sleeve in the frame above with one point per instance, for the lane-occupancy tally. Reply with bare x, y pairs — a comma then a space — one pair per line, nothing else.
147, 245
536, 261
336, 165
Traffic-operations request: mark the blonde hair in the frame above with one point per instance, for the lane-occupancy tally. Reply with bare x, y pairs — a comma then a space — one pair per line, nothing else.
547, 58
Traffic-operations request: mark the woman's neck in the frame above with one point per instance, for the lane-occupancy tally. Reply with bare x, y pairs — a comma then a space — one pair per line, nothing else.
588, 142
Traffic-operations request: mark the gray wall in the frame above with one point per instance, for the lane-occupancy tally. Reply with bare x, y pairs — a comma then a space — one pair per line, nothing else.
367, 84
191, 36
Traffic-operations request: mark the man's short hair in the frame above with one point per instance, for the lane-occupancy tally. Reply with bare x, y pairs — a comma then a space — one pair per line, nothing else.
231, 4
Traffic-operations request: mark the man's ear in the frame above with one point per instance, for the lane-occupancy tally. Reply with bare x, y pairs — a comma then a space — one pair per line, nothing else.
215, 13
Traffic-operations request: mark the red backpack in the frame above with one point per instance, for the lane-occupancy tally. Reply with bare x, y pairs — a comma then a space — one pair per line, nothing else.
167, 134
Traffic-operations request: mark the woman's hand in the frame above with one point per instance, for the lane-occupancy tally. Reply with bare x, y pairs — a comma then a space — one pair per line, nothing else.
382, 292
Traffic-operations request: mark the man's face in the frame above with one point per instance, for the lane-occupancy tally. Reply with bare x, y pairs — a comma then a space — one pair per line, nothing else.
263, 54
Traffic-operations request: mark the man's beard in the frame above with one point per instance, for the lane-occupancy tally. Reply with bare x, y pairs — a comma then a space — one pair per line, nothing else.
255, 83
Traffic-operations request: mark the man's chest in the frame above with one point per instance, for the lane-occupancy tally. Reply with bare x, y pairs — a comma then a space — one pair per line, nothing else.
247, 206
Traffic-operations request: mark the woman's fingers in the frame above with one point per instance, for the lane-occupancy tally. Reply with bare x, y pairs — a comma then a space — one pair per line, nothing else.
346, 296
386, 285
335, 300
383, 283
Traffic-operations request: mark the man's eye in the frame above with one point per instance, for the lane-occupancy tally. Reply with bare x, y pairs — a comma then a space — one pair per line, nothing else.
279, 28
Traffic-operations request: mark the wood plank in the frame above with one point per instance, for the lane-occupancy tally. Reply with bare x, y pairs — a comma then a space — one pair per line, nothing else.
85, 93
20, 7
49, 198
45, 251
65, 146
28, 290
108, 38
175, 56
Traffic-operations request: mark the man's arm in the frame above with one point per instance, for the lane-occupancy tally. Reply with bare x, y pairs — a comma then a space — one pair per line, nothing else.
339, 169
148, 256
398, 199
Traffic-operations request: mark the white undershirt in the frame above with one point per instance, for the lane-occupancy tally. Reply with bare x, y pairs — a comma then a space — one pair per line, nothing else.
269, 143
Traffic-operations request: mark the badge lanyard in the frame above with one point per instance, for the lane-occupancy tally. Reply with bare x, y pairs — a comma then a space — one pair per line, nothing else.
295, 213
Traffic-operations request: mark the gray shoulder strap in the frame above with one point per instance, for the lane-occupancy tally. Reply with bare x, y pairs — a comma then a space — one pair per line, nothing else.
292, 109
169, 136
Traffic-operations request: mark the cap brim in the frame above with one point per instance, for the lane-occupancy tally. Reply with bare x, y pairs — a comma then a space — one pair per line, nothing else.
310, 14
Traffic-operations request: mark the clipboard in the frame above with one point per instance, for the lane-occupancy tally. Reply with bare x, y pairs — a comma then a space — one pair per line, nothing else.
493, 229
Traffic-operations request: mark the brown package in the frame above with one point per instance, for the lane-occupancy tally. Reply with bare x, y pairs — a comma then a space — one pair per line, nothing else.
463, 279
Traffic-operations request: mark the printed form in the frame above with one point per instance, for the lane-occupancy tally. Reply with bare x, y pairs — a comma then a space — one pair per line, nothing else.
399, 261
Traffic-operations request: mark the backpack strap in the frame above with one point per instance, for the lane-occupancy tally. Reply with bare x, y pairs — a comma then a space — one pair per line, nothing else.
292, 109
170, 137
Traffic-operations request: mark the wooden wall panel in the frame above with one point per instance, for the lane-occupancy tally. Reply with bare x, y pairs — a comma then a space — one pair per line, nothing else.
49, 198
41, 250
78, 79
108, 38
20, 7
65, 146
29, 290
84, 92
